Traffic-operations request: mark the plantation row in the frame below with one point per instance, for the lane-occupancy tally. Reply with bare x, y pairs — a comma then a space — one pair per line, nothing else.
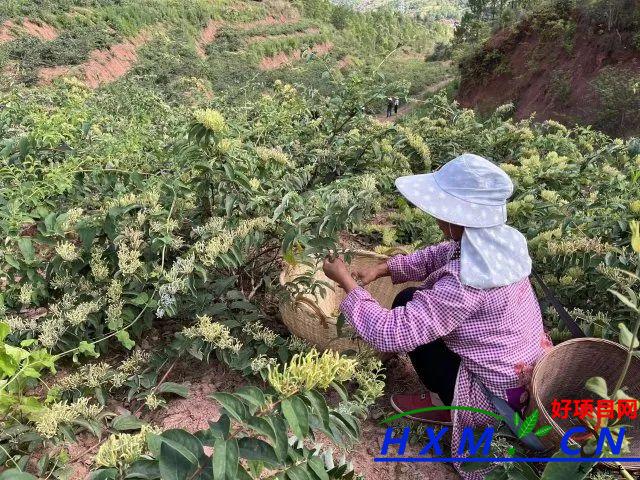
97, 254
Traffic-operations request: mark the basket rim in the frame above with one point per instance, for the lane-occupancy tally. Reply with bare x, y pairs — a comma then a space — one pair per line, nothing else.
534, 391
360, 253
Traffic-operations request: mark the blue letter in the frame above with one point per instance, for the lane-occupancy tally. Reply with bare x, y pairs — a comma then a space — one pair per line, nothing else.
434, 440
389, 440
468, 436
564, 443
606, 434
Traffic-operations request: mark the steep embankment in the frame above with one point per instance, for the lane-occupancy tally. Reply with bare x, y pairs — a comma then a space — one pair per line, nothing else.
574, 66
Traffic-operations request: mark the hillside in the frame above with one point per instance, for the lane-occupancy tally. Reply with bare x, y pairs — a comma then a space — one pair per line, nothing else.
202, 46
444, 10
576, 64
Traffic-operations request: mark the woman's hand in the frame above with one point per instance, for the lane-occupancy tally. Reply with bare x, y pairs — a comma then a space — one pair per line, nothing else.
366, 275
337, 270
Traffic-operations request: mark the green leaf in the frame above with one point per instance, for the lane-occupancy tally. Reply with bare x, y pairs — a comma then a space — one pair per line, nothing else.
124, 338
225, 459
297, 415
319, 407
256, 449
15, 474
144, 469
281, 444
87, 234
598, 385
317, 466
171, 387
140, 299
528, 424
5, 330
232, 405
566, 470
125, 423
104, 474
88, 349
252, 395
544, 430
633, 306
26, 248
174, 465
626, 337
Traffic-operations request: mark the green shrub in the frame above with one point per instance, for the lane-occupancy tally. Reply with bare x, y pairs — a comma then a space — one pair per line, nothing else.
618, 99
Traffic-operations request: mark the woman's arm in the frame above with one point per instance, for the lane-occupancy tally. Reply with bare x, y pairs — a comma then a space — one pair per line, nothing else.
417, 266
431, 314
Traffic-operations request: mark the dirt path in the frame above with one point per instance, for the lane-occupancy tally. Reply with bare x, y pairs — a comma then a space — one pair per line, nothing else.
412, 101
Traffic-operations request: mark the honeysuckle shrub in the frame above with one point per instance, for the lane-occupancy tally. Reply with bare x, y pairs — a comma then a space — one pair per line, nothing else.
193, 237
188, 226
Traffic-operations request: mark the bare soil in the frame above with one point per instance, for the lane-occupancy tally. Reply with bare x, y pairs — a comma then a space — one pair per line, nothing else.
282, 58
9, 30
270, 20
40, 30
194, 413
6, 31
103, 66
264, 38
544, 75
207, 36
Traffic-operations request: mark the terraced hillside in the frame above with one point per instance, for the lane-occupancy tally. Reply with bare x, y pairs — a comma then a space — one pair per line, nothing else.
222, 44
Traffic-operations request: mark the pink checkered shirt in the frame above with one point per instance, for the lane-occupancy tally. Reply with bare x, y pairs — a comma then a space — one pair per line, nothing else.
497, 332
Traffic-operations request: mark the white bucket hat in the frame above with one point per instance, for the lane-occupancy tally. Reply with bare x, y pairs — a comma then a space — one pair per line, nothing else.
472, 192
469, 191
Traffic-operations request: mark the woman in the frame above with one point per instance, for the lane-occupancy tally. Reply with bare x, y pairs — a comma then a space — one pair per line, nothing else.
475, 319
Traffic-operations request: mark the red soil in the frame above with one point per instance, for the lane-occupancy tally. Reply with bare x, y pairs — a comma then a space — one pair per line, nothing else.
264, 38
207, 36
6, 29
281, 20
103, 66
282, 59
194, 412
106, 66
48, 74
40, 30
522, 65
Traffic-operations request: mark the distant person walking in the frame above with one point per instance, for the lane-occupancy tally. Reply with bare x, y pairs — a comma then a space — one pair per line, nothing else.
396, 104
389, 106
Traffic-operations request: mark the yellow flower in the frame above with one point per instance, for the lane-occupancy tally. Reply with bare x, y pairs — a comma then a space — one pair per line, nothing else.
212, 120
634, 225
635, 206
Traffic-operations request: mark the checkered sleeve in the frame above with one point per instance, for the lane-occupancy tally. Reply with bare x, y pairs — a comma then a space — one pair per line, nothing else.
417, 266
431, 314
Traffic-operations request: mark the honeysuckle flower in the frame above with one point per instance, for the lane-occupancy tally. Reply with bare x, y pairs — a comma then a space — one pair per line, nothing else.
26, 294
67, 251
50, 418
211, 119
634, 226
123, 449
309, 371
213, 332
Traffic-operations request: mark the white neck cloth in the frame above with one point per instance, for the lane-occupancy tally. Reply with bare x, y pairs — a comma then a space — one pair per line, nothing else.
493, 257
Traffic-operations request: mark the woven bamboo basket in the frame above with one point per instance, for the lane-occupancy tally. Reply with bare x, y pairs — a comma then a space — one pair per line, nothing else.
562, 373
315, 318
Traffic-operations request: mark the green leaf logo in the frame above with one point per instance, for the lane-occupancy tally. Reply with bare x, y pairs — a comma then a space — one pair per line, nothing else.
545, 430
528, 424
